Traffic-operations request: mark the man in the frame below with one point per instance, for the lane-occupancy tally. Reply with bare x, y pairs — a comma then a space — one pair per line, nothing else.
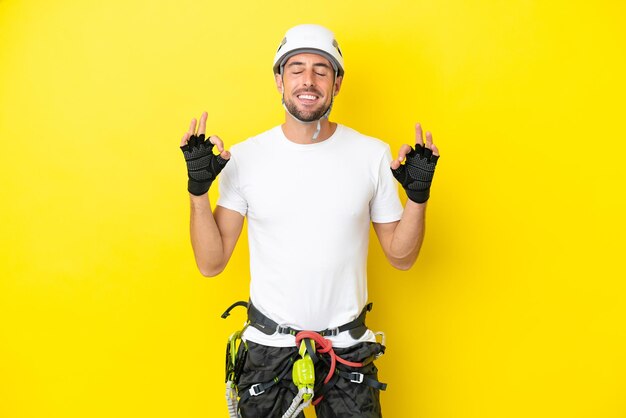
310, 189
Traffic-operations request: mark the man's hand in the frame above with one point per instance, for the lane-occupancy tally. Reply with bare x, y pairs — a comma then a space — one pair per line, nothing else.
417, 173
202, 165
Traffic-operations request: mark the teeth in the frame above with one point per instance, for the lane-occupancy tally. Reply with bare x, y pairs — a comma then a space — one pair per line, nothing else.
307, 96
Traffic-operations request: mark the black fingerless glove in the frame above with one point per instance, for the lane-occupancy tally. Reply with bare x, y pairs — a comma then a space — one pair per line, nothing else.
202, 165
416, 174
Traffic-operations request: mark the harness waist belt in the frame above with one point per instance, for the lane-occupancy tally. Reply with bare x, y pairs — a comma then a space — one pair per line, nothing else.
267, 326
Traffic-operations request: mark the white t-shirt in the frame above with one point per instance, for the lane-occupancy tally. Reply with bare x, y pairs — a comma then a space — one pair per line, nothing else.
309, 209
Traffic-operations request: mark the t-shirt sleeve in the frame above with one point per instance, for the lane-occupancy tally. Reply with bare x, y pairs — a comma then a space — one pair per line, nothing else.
385, 205
230, 196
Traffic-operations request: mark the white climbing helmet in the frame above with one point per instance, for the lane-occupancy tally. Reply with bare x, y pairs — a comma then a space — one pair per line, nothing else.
314, 39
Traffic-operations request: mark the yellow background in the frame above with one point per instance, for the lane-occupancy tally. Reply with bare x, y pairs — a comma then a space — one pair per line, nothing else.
517, 305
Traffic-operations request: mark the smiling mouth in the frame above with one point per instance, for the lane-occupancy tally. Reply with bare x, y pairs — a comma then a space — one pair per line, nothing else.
307, 99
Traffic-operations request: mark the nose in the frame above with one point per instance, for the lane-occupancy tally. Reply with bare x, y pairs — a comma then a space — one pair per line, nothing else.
309, 79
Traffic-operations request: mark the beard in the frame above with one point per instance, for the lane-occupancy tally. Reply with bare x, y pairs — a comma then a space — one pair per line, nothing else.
305, 115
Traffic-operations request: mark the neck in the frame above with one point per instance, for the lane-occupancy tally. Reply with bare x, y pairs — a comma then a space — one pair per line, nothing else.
301, 133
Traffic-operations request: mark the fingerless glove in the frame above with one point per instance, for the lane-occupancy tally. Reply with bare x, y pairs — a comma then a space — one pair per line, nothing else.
202, 165
416, 174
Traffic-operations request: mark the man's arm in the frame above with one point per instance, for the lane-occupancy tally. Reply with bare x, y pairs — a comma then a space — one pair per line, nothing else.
401, 241
213, 234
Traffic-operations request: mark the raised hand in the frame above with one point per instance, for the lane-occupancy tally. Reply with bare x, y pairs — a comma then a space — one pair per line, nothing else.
416, 174
202, 165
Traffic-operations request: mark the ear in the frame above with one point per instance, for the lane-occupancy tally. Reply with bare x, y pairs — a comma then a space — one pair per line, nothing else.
279, 83
338, 81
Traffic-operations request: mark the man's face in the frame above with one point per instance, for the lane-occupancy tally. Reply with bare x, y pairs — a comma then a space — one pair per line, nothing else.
307, 86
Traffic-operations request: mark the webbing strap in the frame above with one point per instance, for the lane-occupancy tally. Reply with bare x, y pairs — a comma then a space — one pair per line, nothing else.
311, 350
233, 306
361, 378
269, 327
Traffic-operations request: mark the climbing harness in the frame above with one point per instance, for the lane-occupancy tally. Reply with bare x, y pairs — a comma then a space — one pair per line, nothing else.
313, 346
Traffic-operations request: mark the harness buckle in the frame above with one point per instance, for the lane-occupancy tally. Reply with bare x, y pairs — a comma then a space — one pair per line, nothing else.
255, 390
333, 332
282, 329
356, 377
